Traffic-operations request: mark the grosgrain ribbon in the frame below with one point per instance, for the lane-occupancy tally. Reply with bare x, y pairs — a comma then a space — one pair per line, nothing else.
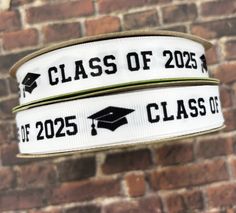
109, 62
121, 119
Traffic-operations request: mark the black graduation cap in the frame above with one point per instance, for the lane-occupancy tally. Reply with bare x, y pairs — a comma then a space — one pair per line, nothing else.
29, 82
204, 63
109, 118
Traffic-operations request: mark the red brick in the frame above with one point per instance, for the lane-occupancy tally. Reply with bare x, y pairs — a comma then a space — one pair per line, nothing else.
212, 55
233, 166
214, 147
9, 20
8, 155
76, 169
49, 210
3, 88
122, 207
136, 184
6, 108
141, 19
7, 178
19, 39
191, 175
226, 73
150, 204
13, 85
108, 6
5, 133
36, 175
8, 60
106, 24
126, 161
85, 190
179, 13
185, 202
230, 121
226, 97
17, 3
177, 28
230, 49
234, 144
215, 29
84, 209
175, 153
60, 11
24, 199
218, 8
60, 32
222, 195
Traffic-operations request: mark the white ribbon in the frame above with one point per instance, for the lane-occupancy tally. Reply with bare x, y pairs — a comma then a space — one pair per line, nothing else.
118, 120
111, 62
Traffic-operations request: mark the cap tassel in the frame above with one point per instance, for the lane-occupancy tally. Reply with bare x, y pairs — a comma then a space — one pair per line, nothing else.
24, 92
94, 131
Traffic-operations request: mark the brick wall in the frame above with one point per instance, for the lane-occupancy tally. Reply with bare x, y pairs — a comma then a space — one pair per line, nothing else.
193, 175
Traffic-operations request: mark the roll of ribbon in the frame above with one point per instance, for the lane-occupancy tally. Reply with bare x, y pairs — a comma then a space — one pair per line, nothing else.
117, 120
118, 88
95, 64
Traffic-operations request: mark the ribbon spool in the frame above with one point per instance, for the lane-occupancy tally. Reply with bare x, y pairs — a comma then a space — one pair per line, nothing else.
123, 119
115, 90
109, 61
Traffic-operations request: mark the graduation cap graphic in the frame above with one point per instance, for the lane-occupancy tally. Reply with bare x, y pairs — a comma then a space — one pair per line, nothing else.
204, 63
29, 82
109, 118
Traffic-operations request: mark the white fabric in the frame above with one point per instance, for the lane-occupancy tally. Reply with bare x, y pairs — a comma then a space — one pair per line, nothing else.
186, 63
145, 123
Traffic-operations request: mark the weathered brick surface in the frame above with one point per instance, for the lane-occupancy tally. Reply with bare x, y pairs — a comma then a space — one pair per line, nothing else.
222, 196
59, 11
84, 209
3, 88
6, 108
174, 154
125, 161
212, 55
9, 21
8, 60
230, 121
106, 6
185, 202
135, 184
76, 169
106, 24
216, 8
214, 147
230, 49
7, 178
226, 97
215, 29
8, 155
61, 32
22, 199
19, 39
141, 19
85, 190
193, 176
6, 133
36, 175
186, 176
17, 3
226, 72
179, 13
150, 204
